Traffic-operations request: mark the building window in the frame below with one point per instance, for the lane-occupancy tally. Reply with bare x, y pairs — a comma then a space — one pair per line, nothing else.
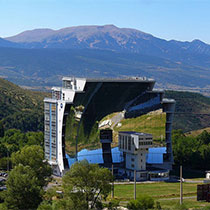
132, 159
129, 143
132, 165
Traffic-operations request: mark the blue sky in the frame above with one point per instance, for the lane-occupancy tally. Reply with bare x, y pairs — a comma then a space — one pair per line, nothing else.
168, 19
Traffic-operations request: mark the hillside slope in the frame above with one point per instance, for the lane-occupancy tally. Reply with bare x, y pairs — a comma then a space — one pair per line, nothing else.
45, 67
192, 110
19, 108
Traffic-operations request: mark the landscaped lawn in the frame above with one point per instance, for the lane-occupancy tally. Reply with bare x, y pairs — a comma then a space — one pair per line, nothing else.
190, 203
165, 193
156, 190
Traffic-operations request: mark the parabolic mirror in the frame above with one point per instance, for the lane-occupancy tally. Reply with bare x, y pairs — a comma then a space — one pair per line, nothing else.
84, 106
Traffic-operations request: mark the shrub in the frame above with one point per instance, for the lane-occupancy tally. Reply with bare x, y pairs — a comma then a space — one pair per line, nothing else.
180, 207
113, 204
157, 205
143, 203
45, 206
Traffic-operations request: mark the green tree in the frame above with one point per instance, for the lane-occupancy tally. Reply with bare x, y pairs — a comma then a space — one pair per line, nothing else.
205, 156
35, 138
204, 137
5, 162
45, 206
13, 136
33, 156
1, 129
86, 184
23, 189
185, 149
113, 204
3, 150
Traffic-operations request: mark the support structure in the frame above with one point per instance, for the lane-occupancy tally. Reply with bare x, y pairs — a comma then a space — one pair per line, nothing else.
181, 186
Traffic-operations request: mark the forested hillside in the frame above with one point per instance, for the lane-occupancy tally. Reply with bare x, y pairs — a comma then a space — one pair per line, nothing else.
19, 108
192, 110
45, 67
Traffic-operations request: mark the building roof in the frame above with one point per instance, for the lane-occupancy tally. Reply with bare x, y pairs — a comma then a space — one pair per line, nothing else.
168, 100
126, 79
135, 133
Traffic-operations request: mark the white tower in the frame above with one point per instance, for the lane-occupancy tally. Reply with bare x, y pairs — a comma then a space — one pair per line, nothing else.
56, 109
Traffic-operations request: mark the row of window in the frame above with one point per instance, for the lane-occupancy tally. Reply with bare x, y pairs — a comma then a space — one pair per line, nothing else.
47, 152
47, 106
145, 143
147, 138
125, 143
47, 134
132, 159
56, 95
133, 165
47, 128
47, 118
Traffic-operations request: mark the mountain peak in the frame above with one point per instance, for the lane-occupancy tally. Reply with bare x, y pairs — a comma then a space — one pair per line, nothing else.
108, 26
197, 41
79, 32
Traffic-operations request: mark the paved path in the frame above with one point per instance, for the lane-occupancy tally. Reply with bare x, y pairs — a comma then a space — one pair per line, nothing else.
177, 198
117, 118
194, 181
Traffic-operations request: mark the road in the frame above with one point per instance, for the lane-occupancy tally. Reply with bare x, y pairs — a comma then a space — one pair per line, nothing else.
177, 198
117, 118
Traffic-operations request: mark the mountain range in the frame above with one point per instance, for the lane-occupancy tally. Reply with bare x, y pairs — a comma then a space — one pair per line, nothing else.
108, 37
44, 55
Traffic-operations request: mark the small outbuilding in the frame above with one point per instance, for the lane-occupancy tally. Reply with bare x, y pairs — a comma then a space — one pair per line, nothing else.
207, 174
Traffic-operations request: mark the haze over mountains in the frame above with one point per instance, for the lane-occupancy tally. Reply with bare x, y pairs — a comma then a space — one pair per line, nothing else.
107, 51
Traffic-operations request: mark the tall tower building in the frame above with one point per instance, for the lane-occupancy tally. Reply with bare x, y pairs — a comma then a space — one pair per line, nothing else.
56, 110
106, 140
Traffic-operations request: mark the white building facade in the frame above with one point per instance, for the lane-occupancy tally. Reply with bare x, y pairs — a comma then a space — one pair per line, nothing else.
135, 147
55, 110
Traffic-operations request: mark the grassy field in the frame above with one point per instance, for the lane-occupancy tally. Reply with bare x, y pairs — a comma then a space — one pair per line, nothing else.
197, 132
156, 190
189, 203
166, 193
153, 122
